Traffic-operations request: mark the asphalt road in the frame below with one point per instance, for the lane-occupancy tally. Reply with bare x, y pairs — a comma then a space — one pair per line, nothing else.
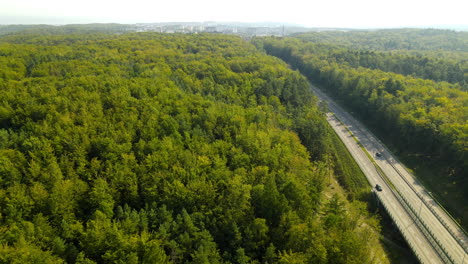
430, 232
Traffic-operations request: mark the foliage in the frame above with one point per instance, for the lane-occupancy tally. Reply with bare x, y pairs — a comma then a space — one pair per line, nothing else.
66, 29
150, 148
418, 116
449, 66
393, 39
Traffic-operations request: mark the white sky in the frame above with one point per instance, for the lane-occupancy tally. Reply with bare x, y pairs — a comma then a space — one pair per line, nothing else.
312, 13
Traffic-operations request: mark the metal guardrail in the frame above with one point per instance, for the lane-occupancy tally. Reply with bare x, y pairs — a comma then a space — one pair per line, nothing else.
433, 211
452, 233
402, 231
447, 227
433, 241
427, 232
439, 218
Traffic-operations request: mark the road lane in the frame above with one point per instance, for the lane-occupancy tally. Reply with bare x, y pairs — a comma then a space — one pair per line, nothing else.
415, 238
438, 225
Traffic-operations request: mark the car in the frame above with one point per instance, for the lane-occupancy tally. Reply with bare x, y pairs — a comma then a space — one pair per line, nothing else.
378, 155
378, 187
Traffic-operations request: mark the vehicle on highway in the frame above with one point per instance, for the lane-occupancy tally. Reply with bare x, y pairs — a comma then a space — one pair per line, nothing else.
378, 155
378, 187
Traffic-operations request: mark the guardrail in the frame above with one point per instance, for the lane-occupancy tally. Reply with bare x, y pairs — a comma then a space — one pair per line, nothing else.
402, 231
441, 220
464, 246
433, 241
442, 252
433, 211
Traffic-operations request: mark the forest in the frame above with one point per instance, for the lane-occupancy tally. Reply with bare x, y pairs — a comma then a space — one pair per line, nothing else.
416, 101
438, 55
45, 30
409, 39
152, 148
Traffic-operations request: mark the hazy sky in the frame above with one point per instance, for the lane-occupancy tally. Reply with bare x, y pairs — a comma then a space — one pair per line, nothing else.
313, 13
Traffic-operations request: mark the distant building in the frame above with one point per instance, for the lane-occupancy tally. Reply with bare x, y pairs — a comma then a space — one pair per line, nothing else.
200, 28
252, 31
211, 29
243, 29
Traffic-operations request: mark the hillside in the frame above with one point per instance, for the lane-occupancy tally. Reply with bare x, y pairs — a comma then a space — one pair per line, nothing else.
149, 148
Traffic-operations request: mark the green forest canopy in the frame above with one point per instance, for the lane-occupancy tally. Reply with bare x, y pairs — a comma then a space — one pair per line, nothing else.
150, 148
420, 117
393, 39
439, 55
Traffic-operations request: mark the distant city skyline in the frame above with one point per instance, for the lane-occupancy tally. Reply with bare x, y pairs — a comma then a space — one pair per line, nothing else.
330, 13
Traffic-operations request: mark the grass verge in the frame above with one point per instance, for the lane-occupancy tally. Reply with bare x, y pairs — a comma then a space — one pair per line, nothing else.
433, 175
356, 185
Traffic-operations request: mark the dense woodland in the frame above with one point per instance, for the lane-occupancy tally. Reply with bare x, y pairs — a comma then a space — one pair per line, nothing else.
107, 28
393, 39
423, 113
150, 148
438, 55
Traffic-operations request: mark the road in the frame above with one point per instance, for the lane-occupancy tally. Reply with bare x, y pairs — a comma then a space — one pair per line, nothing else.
428, 229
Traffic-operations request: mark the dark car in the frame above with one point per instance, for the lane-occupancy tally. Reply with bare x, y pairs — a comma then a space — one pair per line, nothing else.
378, 155
378, 188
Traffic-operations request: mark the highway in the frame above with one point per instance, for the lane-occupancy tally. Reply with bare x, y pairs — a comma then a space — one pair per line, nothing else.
431, 233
